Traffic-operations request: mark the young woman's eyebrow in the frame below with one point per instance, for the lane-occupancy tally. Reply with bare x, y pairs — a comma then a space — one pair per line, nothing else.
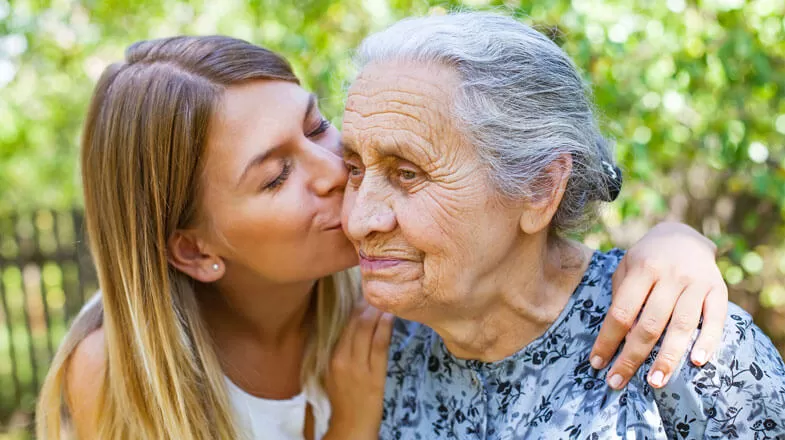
311, 105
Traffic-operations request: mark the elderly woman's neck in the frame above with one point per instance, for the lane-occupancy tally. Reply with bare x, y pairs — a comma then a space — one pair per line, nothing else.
522, 299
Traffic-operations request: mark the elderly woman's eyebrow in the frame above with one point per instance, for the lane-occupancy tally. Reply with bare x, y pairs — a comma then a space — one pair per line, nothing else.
395, 149
408, 151
347, 148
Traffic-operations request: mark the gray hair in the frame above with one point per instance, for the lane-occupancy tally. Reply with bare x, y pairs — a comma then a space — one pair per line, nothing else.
521, 99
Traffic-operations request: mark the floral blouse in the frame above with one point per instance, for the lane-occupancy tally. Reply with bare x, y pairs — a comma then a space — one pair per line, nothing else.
548, 390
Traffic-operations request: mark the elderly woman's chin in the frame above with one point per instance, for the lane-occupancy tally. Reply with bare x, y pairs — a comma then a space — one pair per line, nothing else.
394, 294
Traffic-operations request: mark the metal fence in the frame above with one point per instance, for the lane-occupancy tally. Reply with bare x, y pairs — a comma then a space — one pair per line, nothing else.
45, 276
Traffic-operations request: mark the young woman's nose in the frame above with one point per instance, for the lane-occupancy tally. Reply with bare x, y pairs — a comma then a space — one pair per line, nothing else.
327, 170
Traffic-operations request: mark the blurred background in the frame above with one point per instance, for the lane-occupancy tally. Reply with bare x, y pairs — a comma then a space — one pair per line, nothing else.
692, 91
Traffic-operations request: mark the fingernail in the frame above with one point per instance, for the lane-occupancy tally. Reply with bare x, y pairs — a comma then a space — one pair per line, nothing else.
615, 381
699, 356
596, 362
656, 378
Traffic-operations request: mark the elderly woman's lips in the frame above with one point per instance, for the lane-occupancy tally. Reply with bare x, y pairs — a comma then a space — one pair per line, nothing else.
333, 227
371, 264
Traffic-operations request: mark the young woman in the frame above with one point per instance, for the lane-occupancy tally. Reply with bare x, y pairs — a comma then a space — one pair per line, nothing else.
213, 188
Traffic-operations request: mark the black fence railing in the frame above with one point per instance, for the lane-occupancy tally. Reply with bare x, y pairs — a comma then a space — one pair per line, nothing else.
45, 277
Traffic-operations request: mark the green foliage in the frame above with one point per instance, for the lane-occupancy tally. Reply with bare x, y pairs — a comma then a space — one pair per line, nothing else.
692, 91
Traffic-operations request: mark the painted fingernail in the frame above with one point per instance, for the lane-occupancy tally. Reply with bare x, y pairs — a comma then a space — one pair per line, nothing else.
596, 362
615, 381
699, 356
656, 378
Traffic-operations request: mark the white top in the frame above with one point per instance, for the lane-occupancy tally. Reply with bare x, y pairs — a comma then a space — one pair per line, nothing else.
280, 419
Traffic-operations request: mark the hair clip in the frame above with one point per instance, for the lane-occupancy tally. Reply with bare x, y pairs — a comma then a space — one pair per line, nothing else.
614, 181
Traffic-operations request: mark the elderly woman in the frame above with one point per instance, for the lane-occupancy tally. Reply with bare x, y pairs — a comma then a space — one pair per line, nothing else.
473, 153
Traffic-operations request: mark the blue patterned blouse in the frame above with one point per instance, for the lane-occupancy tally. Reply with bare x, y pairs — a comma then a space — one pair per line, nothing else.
548, 390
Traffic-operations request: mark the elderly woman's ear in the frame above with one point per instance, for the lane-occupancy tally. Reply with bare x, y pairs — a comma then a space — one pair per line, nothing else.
540, 209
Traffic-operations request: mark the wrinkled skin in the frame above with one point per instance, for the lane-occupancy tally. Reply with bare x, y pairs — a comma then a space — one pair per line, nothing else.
437, 242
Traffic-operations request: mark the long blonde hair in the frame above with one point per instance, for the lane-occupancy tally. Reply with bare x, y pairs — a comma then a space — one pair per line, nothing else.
143, 141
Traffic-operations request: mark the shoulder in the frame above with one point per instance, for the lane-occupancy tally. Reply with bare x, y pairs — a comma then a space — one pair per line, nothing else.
89, 356
407, 333
743, 346
84, 379
409, 343
594, 292
602, 266
739, 393
748, 354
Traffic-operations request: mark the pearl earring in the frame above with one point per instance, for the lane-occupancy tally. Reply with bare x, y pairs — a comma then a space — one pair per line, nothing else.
216, 267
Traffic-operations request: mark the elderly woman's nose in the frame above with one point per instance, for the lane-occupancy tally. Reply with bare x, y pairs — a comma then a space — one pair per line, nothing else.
327, 170
369, 214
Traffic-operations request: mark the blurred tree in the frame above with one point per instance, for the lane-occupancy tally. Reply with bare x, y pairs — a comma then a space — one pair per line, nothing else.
691, 91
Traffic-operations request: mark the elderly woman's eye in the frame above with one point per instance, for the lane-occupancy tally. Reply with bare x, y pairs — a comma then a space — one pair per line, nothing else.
355, 172
407, 174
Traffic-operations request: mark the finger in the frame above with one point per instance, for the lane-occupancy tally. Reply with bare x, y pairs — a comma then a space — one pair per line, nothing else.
627, 301
363, 337
619, 274
343, 346
645, 333
381, 343
683, 324
715, 310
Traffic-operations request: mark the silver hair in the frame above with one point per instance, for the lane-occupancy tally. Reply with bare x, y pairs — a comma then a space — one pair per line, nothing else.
522, 102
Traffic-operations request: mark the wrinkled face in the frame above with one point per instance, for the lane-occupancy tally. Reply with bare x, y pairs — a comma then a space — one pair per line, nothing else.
273, 184
425, 220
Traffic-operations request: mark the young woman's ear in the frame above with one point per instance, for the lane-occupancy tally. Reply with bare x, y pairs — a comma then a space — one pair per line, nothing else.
538, 212
185, 252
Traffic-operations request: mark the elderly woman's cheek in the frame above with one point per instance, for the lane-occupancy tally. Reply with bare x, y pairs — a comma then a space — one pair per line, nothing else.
445, 209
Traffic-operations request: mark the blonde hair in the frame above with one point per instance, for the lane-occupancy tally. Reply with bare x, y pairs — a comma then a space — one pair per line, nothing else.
144, 138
